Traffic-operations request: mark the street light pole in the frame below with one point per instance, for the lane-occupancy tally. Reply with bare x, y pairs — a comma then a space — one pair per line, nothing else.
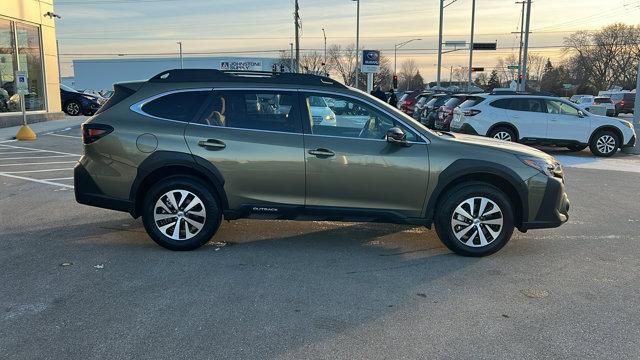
520, 50
526, 48
181, 61
440, 43
357, 43
395, 53
473, 19
324, 34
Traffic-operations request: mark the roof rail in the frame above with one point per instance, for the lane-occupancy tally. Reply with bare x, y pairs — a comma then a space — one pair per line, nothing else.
264, 77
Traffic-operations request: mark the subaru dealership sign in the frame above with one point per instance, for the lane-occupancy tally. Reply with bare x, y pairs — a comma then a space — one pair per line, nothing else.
252, 65
370, 61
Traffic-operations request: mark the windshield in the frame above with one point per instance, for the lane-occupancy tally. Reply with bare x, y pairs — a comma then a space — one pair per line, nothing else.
453, 102
68, 88
471, 101
603, 100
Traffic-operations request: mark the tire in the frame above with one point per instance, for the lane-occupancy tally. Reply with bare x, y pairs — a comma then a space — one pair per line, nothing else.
577, 147
158, 208
73, 108
604, 143
471, 243
503, 133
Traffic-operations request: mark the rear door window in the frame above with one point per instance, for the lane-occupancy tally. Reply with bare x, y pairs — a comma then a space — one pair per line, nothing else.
178, 106
255, 110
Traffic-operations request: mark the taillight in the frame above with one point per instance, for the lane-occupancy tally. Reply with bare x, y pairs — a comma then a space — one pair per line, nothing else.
621, 102
94, 132
471, 112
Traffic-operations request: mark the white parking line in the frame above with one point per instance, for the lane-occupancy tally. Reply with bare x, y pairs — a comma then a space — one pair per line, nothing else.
66, 136
34, 171
57, 179
36, 180
42, 163
27, 148
19, 152
40, 157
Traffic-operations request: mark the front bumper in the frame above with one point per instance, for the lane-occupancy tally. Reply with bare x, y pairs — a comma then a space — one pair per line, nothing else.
631, 143
554, 208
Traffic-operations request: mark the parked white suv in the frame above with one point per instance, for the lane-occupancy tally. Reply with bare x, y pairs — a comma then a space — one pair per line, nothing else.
588, 101
543, 120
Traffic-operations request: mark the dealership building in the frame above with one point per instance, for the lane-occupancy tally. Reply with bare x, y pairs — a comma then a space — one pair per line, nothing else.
101, 74
28, 43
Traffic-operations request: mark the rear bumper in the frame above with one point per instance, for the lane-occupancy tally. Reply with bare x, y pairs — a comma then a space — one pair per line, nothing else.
554, 208
465, 129
88, 193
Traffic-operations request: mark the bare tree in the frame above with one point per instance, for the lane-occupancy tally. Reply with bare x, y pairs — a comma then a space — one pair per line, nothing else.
385, 76
311, 63
408, 70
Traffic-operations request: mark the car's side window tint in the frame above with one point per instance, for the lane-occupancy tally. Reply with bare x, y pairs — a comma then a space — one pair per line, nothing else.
347, 117
179, 106
254, 109
502, 104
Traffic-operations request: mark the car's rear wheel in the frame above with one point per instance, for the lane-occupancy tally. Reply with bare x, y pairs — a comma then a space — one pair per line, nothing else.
605, 143
503, 133
576, 147
73, 108
475, 219
180, 213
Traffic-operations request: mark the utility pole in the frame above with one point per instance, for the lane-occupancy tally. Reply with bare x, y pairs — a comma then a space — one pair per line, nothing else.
296, 17
357, 43
526, 47
181, 61
521, 38
473, 19
324, 34
292, 64
440, 43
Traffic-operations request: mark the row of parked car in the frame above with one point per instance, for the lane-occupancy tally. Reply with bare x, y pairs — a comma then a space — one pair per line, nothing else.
525, 118
85, 102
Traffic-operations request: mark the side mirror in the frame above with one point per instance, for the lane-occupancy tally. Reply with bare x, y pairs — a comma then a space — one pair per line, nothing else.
581, 114
395, 135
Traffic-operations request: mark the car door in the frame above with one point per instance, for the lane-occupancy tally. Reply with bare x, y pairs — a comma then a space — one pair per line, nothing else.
254, 139
565, 122
352, 166
528, 116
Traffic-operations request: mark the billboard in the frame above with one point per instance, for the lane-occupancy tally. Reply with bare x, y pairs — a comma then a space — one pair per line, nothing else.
251, 65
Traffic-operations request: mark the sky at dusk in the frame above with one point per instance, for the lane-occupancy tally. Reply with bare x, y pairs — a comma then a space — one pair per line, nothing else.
137, 28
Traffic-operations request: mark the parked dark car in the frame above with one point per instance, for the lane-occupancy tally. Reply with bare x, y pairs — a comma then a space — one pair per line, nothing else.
624, 102
76, 103
430, 111
409, 103
445, 112
423, 98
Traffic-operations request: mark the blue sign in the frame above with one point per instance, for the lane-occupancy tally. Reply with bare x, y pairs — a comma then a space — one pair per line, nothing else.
371, 57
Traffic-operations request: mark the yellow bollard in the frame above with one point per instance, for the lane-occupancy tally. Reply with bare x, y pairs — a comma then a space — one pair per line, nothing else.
25, 133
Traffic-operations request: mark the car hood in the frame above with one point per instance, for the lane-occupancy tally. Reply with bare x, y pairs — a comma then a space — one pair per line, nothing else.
506, 146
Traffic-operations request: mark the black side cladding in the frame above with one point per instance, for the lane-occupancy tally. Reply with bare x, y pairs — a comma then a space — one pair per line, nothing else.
120, 92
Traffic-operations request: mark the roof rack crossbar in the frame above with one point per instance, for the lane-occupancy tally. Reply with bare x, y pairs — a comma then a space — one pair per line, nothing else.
213, 75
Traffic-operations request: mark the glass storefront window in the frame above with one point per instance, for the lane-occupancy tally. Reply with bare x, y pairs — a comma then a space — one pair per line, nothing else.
30, 59
8, 66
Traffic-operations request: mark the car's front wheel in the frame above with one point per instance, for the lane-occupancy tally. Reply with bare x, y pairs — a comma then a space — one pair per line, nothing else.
181, 213
475, 219
605, 143
73, 108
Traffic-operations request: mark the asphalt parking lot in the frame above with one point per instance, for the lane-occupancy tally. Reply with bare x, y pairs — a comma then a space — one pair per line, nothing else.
82, 282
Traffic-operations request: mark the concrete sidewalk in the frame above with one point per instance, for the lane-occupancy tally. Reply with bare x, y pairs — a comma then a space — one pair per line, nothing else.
9, 133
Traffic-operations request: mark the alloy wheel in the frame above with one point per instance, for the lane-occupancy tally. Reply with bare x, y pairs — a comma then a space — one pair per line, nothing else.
477, 222
606, 144
179, 214
73, 108
503, 135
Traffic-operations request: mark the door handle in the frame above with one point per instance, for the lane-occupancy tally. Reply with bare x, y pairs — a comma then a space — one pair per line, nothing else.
322, 153
212, 144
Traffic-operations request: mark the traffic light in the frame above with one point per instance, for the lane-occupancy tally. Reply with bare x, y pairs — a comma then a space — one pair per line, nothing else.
395, 81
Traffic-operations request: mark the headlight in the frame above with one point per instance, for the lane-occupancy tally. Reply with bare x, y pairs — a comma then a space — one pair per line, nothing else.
329, 117
626, 123
548, 167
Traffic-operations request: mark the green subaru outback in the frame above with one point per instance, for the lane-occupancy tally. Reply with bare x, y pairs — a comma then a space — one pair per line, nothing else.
189, 147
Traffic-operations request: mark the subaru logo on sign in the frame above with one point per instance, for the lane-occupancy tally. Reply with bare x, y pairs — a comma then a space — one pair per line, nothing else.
371, 57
